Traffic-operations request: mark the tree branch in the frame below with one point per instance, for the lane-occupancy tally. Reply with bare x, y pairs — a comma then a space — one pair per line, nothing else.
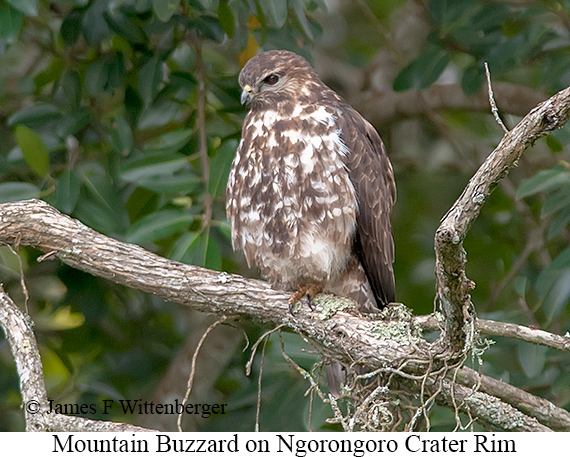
452, 284
36, 223
539, 408
383, 108
19, 333
508, 330
379, 342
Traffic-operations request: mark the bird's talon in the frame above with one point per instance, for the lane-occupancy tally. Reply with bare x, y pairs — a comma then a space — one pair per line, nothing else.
310, 303
294, 304
304, 295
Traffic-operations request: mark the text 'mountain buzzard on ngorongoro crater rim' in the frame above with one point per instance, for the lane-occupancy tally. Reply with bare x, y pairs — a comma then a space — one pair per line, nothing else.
311, 189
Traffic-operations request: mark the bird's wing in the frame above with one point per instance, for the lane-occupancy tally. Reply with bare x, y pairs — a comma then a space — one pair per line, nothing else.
373, 179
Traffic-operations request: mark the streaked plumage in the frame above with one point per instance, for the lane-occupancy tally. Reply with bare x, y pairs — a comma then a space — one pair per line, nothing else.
311, 188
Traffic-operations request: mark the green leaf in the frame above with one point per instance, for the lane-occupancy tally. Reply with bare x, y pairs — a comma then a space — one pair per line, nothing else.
553, 285
158, 225
213, 259
116, 71
561, 261
226, 18
50, 74
78, 3
532, 358
59, 319
73, 122
553, 144
67, 191
28, 7
34, 149
150, 77
94, 27
158, 114
70, 84
209, 28
169, 142
96, 215
521, 284
199, 249
423, 71
165, 9
150, 165
57, 372
299, 9
472, 79
182, 245
182, 80
121, 136
70, 29
100, 205
11, 262
445, 12
275, 11
220, 166
16, 191
96, 77
555, 201
10, 22
544, 180
559, 223
34, 116
502, 57
122, 25
490, 17
184, 182
558, 296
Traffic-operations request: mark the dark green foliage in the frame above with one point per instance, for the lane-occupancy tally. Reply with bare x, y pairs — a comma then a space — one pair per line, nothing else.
99, 117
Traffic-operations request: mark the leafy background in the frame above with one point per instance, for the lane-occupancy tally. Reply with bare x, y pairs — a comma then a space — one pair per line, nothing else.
99, 116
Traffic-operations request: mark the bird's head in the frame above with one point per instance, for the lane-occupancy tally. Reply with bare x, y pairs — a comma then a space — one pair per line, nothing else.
272, 76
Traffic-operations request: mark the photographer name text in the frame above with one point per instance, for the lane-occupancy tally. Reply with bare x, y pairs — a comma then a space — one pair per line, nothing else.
138, 406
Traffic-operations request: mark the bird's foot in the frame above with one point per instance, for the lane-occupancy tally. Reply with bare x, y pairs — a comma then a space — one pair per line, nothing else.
305, 294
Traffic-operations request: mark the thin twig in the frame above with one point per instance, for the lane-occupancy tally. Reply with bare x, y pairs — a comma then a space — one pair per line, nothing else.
258, 407
494, 108
201, 127
193, 370
304, 373
254, 348
22, 277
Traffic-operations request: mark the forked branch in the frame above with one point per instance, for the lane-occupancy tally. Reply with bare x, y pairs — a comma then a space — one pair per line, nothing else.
344, 336
377, 343
452, 284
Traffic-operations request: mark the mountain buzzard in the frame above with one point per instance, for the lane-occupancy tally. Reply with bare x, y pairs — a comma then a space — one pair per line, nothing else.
311, 188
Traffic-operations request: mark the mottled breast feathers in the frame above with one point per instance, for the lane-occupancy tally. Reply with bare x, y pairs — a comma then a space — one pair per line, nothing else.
311, 188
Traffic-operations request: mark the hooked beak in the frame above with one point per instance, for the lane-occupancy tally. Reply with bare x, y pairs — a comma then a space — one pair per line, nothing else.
246, 95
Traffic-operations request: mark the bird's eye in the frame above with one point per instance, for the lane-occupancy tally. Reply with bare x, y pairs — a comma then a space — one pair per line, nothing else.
271, 80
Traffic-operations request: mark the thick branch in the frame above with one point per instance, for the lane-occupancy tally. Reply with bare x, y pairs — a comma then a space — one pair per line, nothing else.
487, 409
382, 108
452, 284
35, 223
544, 411
346, 337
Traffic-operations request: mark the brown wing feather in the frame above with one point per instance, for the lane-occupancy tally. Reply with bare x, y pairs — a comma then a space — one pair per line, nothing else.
373, 179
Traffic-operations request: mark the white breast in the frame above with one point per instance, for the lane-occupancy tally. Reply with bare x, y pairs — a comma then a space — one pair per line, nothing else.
291, 203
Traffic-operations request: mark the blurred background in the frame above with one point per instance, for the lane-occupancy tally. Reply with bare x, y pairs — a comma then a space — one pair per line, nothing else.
125, 114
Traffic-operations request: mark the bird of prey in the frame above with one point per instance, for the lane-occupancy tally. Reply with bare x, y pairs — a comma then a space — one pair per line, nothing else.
311, 188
